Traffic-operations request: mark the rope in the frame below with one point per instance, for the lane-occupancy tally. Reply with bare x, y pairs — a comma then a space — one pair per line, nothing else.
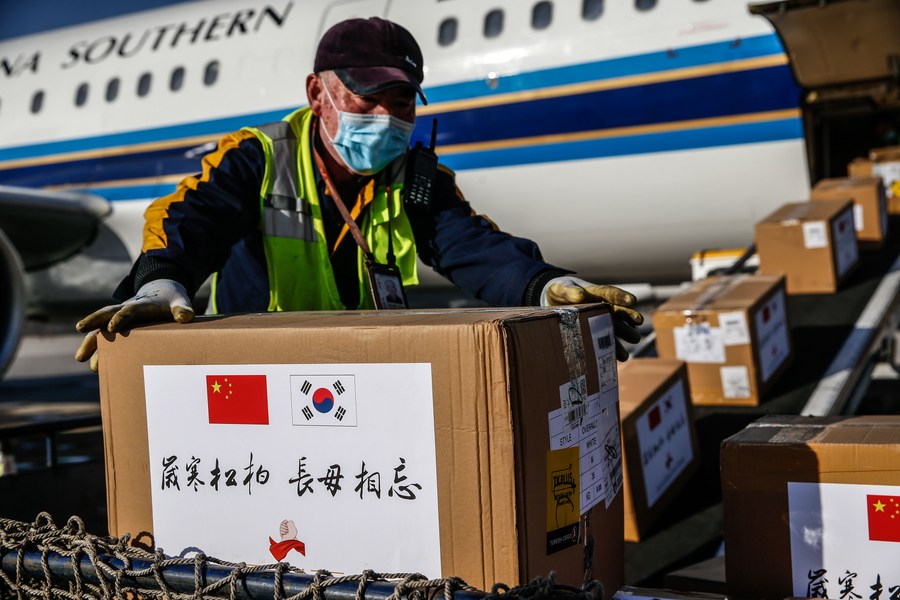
112, 559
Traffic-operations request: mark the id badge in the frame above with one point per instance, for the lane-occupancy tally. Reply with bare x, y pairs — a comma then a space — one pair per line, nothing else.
387, 287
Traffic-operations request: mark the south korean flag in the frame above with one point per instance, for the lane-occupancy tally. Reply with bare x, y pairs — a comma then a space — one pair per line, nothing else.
323, 400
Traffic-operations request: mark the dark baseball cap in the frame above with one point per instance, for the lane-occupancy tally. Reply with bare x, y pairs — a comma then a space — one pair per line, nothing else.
371, 55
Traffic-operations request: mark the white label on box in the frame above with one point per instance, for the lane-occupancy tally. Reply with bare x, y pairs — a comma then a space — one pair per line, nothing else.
858, 217
664, 439
699, 343
889, 173
573, 401
845, 539
735, 381
233, 476
597, 437
734, 328
772, 332
609, 446
596, 432
815, 235
604, 341
845, 251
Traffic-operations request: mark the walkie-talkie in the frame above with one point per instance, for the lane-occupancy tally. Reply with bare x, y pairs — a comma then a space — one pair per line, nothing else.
421, 168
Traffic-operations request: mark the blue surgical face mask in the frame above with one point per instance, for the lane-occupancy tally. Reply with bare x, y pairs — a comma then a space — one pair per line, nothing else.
368, 143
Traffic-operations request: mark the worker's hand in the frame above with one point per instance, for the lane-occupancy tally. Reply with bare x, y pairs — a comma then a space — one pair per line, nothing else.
572, 290
159, 300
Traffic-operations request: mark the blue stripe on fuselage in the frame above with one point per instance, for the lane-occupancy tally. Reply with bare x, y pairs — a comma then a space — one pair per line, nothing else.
689, 139
652, 62
735, 93
742, 92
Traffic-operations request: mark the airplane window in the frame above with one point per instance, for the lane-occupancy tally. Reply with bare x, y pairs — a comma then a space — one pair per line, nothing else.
177, 79
541, 15
37, 101
112, 89
211, 73
643, 5
591, 9
447, 31
143, 87
81, 94
493, 23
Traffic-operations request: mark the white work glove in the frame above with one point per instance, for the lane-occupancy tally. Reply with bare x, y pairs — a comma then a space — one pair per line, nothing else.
159, 300
572, 290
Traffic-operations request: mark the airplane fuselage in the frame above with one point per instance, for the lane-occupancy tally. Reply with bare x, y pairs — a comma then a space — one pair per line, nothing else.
621, 142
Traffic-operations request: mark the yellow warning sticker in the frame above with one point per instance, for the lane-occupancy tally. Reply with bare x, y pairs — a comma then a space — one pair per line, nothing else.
563, 498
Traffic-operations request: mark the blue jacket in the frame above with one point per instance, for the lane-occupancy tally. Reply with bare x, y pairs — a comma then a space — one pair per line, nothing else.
212, 223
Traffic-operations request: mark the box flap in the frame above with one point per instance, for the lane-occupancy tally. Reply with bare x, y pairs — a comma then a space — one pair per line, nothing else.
727, 292
805, 211
848, 184
641, 377
837, 42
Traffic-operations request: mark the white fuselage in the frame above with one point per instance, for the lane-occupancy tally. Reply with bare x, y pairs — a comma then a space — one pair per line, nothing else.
621, 144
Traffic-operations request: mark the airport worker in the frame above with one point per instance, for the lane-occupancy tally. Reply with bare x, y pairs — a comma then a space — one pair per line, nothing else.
309, 212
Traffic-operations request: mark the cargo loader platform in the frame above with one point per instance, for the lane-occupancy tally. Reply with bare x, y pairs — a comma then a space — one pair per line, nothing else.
838, 339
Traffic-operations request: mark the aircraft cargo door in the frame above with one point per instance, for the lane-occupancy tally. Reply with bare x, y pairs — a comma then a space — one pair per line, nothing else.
845, 54
340, 11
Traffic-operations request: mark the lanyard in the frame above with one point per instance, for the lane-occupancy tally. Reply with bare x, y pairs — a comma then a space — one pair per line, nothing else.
385, 281
351, 224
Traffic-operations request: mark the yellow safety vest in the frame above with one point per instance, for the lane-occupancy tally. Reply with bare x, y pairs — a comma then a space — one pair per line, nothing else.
297, 255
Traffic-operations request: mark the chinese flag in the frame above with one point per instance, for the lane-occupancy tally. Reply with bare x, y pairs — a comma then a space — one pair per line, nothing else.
884, 518
237, 399
654, 418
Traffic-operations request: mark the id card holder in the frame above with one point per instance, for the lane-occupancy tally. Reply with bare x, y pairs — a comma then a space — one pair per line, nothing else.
387, 286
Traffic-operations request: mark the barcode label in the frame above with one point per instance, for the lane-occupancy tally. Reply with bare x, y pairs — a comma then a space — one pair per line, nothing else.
575, 414
604, 342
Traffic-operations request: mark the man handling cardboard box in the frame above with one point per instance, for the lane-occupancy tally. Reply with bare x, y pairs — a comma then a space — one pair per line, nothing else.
267, 216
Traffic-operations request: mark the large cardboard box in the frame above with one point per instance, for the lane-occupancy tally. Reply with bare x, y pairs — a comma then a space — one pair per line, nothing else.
859, 167
659, 441
813, 244
472, 443
869, 206
732, 332
812, 507
886, 164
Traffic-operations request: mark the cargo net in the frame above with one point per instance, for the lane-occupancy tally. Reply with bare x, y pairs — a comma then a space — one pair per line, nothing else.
41, 560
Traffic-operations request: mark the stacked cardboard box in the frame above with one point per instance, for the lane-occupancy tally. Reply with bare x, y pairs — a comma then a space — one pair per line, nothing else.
732, 332
658, 438
812, 507
471, 443
886, 164
869, 206
813, 244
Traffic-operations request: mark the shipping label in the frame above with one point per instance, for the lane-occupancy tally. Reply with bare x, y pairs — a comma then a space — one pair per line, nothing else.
771, 328
734, 328
845, 540
699, 343
664, 439
573, 401
604, 341
735, 381
266, 463
598, 438
815, 235
845, 250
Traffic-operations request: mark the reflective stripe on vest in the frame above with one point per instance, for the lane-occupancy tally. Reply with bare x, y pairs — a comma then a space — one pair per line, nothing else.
297, 255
